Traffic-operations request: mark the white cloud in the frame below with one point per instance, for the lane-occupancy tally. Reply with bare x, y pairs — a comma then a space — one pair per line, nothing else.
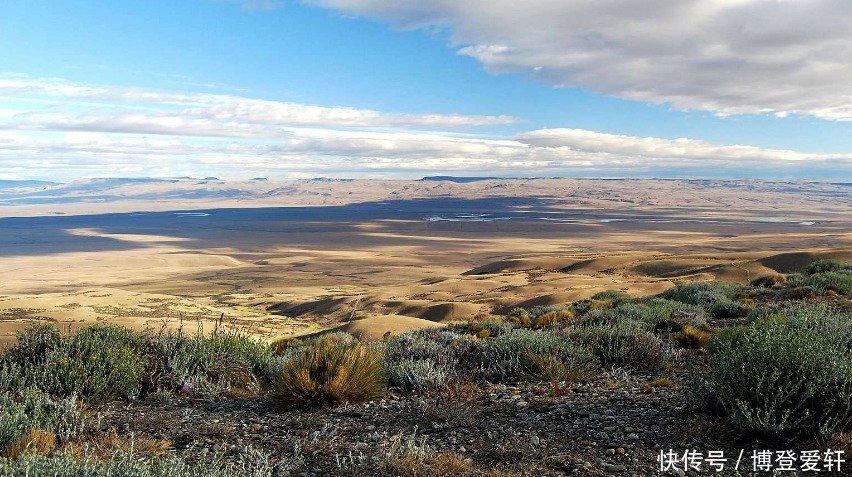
727, 56
219, 107
54, 130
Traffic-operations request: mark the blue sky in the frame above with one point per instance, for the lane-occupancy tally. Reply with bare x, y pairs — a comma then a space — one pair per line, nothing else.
364, 88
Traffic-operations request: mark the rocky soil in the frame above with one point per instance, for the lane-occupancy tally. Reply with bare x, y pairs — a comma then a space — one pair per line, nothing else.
614, 425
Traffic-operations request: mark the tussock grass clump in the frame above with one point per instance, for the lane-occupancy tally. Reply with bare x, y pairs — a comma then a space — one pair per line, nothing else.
328, 374
540, 317
770, 281
493, 328
38, 441
779, 380
548, 368
691, 337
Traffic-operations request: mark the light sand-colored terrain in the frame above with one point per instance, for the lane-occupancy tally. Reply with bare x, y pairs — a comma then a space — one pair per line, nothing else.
374, 256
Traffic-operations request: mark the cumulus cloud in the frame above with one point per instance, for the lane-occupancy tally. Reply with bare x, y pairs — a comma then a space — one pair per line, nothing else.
727, 56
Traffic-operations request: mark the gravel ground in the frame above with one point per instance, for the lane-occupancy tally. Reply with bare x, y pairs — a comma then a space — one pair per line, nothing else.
614, 425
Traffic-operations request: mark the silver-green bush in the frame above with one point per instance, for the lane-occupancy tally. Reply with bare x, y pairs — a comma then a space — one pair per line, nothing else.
779, 379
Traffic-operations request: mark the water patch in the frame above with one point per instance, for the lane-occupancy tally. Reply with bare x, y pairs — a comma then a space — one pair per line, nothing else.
589, 220
465, 218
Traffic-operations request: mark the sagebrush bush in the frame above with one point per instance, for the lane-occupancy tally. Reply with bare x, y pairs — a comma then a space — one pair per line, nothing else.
824, 283
33, 342
624, 343
98, 363
725, 308
208, 365
32, 409
612, 295
823, 266
433, 358
704, 294
779, 379
328, 373
504, 358
419, 375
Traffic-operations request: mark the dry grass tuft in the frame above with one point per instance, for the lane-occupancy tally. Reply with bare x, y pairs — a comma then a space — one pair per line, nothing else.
652, 386
691, 337
106, 443
38, 441
329, 373
553, 318
770, 281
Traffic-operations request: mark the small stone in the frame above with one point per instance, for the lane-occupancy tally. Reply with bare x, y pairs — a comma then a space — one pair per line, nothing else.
620, 451
535, 440
633, 437
610, 452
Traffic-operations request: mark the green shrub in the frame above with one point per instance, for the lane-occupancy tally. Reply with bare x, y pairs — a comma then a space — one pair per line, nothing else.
208, 365
823, 266
33, 342
724, 308
823, 283
33, 409
98, 363
831, 323
328, 373
624, 343
505, 357
613, 295
549, 368
419, 375
702, 293
777, 379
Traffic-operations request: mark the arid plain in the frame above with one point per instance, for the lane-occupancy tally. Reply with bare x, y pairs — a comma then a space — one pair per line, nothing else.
285, 258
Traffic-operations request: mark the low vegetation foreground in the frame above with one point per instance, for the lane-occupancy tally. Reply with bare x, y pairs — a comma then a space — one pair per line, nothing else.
609, 385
